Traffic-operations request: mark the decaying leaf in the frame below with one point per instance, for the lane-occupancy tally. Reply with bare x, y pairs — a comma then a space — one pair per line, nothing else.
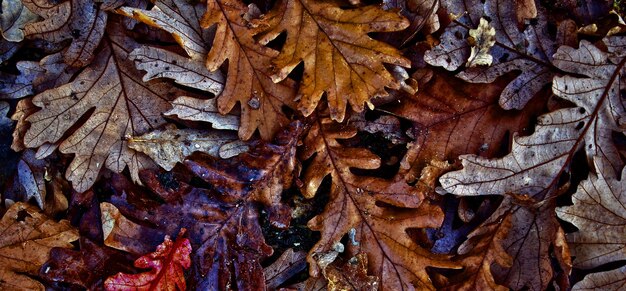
339, 60
117, 103
223, 223
422, 15
82, 22
170, 146
481, 40
182, 20
28, 236
285, 267
248, 82
351, 275
360, 203
609, 280
88, 267
451, 118
483, 248
529, 51
167, 265
13, 17
599, 213
537, 161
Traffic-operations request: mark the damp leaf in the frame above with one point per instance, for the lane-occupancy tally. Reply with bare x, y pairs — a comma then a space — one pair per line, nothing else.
339, 58
28, 236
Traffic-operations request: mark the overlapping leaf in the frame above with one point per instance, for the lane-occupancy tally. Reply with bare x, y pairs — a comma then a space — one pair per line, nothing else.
599, 213
223, 227
13, 17
536, 162
422, 15
82, 22
116, 103
340, 59
355, 203
451, 118
28, 236
248, 80
609, 280
528, 51
167, 265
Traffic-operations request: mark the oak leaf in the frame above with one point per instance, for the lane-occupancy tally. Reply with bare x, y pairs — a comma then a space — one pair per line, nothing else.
28, 236
82, 22
222, 222
286, 266
609, 280
116, 103
528, 51
451, 117
87, 267
248, 80
536, 162
182, 20
340, 59
167, 265
366, 205
483, 248
422, 15
600, 216
13, 17
170, 146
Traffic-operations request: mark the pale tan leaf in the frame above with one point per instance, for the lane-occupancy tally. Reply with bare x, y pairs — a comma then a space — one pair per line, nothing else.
27, 237
613, 280
599, 213
190, 108
118, 103
160, 63
537, 161
170, 146
82, 22
481, 40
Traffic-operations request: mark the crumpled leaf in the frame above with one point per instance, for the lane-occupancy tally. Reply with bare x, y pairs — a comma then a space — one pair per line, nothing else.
82, 22
482, 249
529, 51
223, 222
30, 173
421, 14
339, 60
451, 117
351, 275
88, 267
481, 40
170, 146
286, 266
537, 161
360, 203
118, 104
27, 238
182, 20
609, 280
599, 213
167, 265
13, 18
248, 82
160, 63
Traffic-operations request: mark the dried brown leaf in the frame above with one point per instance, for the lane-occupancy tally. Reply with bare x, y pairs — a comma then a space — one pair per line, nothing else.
13, 17
115, 103
609, 281
27, 238
379, 211
285, 267
170, 146
340, 59
249, 81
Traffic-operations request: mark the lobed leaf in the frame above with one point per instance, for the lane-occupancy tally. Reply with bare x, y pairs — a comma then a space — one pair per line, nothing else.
340, 59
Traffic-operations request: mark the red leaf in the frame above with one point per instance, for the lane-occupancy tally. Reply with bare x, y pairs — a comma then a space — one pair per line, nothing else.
167, 265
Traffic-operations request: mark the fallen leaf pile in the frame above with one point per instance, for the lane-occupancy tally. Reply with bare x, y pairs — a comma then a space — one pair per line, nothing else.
312, 145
